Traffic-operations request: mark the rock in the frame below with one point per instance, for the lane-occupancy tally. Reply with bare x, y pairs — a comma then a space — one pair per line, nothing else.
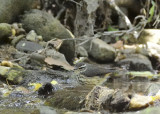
27, 46
15, 74
117, 102
16, 39
5, 31
153, 51
153, 89
85, 112
11, 9
136, 62
46, 25
81, 52
139, 102
46, 89
142, 76
103, 98
18, 30
100, 51
68, 98
149, 110
147, 35
47, 110
31, 36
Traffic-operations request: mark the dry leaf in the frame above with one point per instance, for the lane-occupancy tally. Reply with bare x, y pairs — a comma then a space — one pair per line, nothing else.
118, 45
52, 61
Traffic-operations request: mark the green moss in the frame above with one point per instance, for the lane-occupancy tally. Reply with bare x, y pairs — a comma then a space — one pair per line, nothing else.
69, 99
5, 31
11, 9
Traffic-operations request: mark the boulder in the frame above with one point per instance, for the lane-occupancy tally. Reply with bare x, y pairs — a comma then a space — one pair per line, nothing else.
136, 62
101, 52
46, 25
103, 98
5, 31
11, 9
27, 46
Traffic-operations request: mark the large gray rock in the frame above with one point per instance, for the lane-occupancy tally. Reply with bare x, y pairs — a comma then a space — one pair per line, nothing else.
27, 46
5, 31
102, 52
46, 25
136, 62
10, 9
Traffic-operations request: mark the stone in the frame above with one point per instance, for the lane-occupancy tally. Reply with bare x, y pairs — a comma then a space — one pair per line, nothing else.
103, 98
5, 31
11, 9
136, 62
153, 89
147, 35
68, 98
140, 101
13, 74
81, 52
102, 52
31, 36
46, 25
27, 46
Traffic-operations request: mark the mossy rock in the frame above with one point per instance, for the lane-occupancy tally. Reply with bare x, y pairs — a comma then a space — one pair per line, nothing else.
14, 75
11, 9
46, 25
5, 31
70, 99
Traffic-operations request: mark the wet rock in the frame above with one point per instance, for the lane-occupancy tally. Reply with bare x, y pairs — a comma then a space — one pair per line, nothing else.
46, 25
46, 110
27, 46
46, 89
153, 89
100, 51
104, 98
149, 110
117, 102
5, 31
68, 98
14, 75
142, 76
136, 62
83, 112
11, 9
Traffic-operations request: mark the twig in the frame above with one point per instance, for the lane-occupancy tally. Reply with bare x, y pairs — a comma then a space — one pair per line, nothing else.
76, 2
124, 17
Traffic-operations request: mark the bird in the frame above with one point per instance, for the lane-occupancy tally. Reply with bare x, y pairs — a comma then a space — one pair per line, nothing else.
91, 70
